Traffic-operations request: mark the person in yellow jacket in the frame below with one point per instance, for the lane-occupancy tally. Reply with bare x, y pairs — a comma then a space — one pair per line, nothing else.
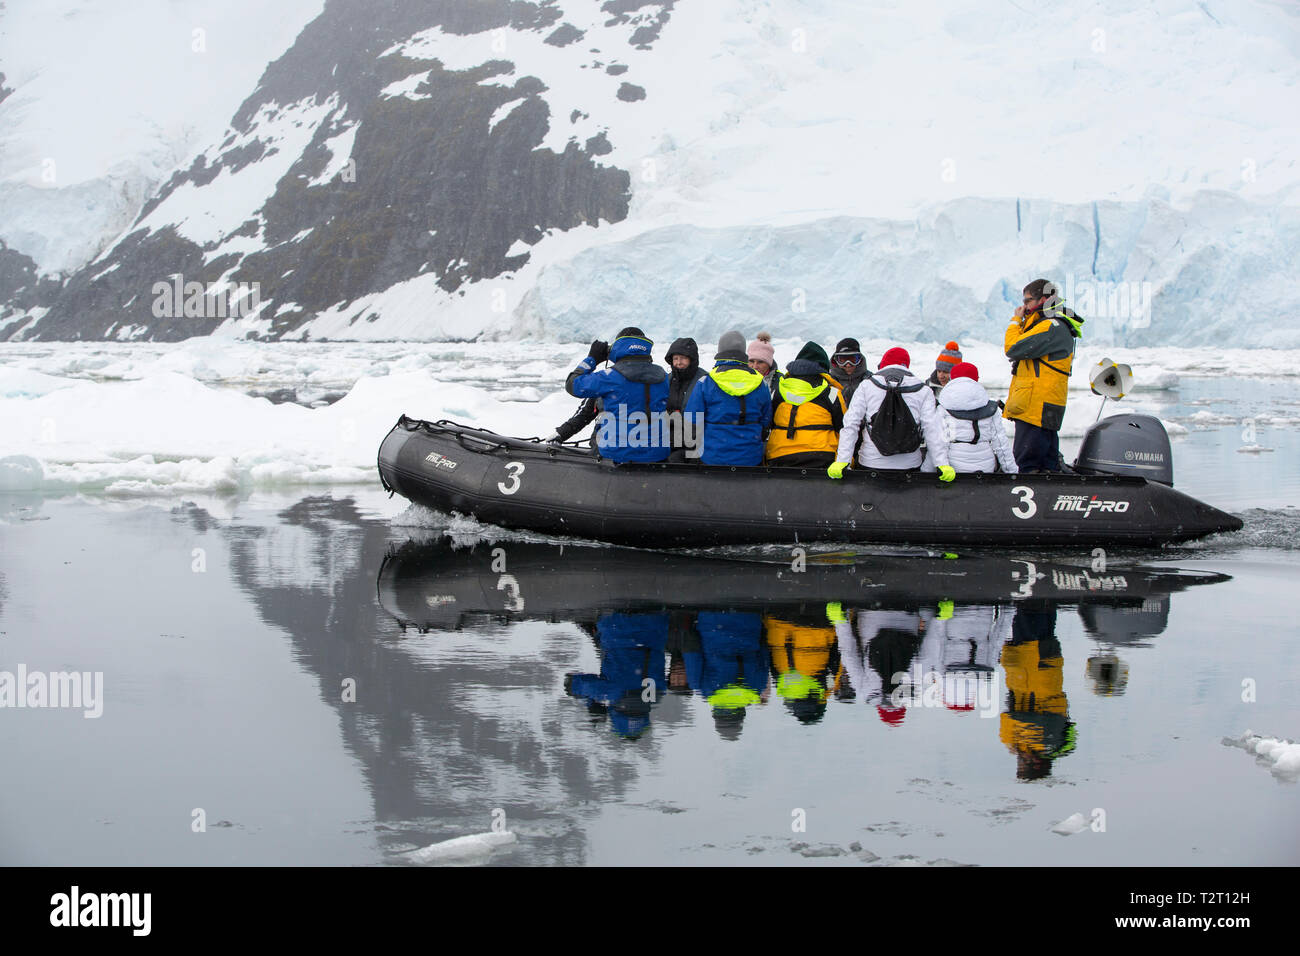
807, 412
1040, 344
805, 652
1036, 726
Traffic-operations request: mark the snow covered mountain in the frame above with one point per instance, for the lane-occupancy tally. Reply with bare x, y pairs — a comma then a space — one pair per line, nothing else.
99, 105
469, 169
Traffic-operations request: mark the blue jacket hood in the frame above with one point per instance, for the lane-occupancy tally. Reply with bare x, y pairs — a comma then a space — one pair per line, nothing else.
641, 371
626, 346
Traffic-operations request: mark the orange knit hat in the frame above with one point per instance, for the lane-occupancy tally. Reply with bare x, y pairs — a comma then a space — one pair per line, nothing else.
949, 357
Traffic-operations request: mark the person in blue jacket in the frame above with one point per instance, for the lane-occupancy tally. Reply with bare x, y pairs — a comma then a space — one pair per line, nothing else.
730, 669
633, 396
732, 407
633, 675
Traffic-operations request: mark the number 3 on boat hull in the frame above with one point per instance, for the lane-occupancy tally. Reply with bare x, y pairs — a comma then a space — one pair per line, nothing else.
1027, 507
512, 483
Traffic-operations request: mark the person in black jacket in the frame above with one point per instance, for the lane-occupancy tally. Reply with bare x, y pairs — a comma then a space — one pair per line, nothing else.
684, 360
848, 367
584, 416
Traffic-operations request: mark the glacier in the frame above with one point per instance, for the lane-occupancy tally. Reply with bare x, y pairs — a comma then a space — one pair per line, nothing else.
819, 169
1213, 267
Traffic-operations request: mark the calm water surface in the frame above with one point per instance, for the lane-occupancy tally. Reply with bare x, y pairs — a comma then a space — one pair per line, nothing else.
334, 680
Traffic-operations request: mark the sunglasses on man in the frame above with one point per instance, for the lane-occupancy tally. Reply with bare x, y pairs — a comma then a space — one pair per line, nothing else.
847, 361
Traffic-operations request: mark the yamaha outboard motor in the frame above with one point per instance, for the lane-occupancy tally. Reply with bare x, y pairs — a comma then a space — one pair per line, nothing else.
1126, 622
1135, 445
1132, 445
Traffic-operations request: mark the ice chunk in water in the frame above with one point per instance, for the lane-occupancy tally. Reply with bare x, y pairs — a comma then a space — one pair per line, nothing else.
461, 848
1074, 823
1281, 756
20, 473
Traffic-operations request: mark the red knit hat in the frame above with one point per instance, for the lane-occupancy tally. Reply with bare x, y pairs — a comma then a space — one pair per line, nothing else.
891, 715
965, 370
896, 356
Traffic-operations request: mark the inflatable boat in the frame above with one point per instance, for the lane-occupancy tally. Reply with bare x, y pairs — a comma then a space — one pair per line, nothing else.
1120, 493
437, 586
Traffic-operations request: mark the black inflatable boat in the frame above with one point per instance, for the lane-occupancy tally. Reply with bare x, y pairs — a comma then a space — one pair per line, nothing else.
1120, 494
438, 586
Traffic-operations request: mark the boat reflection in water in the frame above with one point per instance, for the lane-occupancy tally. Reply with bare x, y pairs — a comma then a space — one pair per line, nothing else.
892, 631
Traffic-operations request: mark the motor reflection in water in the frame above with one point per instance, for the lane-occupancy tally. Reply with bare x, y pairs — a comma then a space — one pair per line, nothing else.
896, 631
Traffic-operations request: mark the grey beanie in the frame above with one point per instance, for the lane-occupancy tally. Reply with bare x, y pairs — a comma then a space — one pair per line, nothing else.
731, 347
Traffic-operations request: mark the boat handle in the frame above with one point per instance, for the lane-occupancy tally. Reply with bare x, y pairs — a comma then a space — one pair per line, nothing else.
488, 445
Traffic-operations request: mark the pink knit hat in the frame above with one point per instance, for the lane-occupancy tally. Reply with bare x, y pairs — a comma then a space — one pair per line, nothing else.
761, 349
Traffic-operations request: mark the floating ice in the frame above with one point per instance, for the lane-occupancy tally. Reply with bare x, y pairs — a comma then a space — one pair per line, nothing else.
167, 433
1074, 823
20, 473
25, 383
460, 848
149, 418
1281, 756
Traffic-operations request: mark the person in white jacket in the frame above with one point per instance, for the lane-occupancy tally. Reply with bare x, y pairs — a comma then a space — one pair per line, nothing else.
972, 425
878, 651
971, 639
868, 399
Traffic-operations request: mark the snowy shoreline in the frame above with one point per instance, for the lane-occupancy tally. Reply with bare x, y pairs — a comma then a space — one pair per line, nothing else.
152, 420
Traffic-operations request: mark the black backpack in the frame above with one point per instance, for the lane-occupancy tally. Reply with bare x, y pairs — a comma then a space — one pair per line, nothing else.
893, 429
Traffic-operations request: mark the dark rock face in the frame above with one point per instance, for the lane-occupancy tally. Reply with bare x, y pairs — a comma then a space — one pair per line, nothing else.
17, 272
430, 188
565, 34
21, 288
630, 92
649, 18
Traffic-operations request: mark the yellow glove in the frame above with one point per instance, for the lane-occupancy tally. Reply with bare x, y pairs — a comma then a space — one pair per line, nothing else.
945, 610
837, 470
835, 613
947, 473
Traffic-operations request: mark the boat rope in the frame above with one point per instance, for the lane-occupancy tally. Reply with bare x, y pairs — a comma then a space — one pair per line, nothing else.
446, 426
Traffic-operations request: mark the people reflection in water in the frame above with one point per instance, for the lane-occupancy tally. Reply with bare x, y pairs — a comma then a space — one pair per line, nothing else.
889, 658
969, 638
682, 639
730, 669
632, 671
804, 655
877, 647
1036, 726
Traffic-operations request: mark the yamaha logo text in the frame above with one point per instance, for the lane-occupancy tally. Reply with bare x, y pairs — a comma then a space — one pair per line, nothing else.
1154, 456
